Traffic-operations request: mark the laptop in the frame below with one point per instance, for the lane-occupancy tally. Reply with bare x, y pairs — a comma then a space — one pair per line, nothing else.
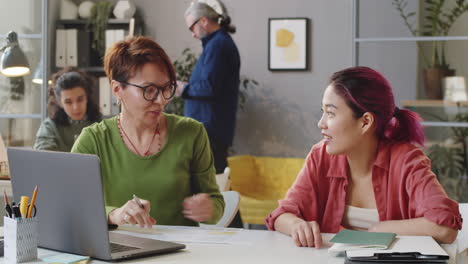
70, 205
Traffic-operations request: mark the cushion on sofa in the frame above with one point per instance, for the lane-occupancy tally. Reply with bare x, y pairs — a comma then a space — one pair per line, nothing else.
262, 181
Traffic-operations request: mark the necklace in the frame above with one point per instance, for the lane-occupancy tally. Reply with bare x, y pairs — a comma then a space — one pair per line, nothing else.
147, 153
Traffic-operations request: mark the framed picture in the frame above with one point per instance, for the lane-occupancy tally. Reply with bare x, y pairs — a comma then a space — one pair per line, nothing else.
287, 44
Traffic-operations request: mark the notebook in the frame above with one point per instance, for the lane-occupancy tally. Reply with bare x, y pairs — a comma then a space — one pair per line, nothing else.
352, 240
64, 258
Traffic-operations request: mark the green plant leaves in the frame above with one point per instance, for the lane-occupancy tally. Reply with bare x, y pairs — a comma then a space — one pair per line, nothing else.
437, 22
184, 66
100, 13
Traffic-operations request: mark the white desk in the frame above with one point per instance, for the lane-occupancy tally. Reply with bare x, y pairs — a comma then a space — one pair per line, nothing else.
263, 247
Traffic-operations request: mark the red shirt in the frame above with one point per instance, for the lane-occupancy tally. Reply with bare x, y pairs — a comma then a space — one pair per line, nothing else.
404, 188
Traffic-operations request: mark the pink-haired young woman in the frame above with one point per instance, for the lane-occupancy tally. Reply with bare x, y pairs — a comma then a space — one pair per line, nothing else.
366, 173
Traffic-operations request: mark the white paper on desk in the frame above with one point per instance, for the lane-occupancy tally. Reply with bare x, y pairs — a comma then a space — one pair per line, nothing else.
188, 234
425, 245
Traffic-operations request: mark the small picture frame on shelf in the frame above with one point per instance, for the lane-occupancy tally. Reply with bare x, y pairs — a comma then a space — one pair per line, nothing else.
455, 88
288, 44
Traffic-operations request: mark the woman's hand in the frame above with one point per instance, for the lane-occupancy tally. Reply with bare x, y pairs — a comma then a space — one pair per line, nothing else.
198, 208
306, 234
133, 214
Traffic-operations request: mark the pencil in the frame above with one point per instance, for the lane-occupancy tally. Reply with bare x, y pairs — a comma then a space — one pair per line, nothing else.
31, 205
5, 197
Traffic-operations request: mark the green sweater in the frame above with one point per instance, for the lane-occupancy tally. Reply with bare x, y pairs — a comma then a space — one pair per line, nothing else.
183, 167
51, 136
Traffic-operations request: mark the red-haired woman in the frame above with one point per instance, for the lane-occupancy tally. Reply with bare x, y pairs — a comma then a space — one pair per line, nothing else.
165, 159
366, 173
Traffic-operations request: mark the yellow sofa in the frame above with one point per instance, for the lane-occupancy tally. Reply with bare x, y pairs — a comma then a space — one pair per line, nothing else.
261, 181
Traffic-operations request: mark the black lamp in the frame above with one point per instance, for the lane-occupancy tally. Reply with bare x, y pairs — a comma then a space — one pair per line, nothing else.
13, 61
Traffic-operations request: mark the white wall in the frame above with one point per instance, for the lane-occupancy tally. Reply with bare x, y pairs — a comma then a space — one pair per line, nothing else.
281, 114
457, 51
398, 61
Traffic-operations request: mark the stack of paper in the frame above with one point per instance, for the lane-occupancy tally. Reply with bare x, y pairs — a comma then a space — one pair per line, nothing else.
425, 245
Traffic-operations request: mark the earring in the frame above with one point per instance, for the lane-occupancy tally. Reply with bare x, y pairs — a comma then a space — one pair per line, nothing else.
118, 101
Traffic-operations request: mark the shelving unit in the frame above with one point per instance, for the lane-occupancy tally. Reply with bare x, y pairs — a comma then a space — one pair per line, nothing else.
444, 128
411, 104
433, 103
89, 59
417, 105
93, 63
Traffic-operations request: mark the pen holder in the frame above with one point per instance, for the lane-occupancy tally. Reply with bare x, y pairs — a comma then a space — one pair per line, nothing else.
21, 238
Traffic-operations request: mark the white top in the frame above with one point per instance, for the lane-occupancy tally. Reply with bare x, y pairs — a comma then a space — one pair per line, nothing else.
360, 218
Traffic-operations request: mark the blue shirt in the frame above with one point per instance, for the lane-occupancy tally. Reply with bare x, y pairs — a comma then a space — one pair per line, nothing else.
211, 94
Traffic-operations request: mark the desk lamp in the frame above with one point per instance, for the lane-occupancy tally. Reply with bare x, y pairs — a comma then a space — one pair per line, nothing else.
37, 77
13, 61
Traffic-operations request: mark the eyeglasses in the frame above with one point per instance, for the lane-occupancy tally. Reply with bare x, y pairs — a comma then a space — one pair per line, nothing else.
151, 92
193, 24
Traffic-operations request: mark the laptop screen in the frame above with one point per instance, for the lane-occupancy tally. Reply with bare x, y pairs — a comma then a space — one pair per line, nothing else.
70, 205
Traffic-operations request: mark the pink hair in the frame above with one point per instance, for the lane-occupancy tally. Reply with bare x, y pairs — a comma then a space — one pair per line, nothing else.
366, 90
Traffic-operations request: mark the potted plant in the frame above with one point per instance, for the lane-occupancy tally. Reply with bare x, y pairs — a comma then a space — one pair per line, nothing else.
97, 22
184, 66
437, 21
450, 160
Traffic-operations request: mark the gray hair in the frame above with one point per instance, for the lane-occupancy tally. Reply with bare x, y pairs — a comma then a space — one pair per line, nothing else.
198, 10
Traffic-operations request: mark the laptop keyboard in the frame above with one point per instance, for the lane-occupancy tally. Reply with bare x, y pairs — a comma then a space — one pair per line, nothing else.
116, 248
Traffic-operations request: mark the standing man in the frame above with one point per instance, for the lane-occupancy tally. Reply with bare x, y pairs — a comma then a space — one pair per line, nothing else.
211, 94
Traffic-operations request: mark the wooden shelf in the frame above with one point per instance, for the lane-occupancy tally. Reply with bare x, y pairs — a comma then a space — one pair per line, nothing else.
112, 21
88, 69
433, 103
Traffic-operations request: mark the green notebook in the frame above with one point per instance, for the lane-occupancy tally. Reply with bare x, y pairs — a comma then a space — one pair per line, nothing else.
362, 239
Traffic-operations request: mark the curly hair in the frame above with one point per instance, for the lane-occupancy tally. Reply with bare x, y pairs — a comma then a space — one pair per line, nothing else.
69, 78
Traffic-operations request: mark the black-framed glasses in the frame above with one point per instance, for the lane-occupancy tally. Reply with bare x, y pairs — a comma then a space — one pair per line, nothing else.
193, 24
151, 92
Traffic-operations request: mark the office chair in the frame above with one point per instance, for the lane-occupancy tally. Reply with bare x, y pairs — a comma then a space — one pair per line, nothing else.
231, 199
463, 234
223, 180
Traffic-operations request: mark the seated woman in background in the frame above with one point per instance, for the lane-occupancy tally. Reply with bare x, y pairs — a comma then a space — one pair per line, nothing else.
366, 174
70, 111
163, 158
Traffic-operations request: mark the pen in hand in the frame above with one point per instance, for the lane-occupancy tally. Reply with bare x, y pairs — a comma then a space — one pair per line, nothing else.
138, 202
149, 220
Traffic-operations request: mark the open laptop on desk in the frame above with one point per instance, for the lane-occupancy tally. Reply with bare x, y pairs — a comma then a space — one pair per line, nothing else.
70, 205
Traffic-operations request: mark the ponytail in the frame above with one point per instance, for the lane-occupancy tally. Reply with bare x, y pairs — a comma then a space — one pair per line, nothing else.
405, 126
226, 24
217, 14
366, 90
